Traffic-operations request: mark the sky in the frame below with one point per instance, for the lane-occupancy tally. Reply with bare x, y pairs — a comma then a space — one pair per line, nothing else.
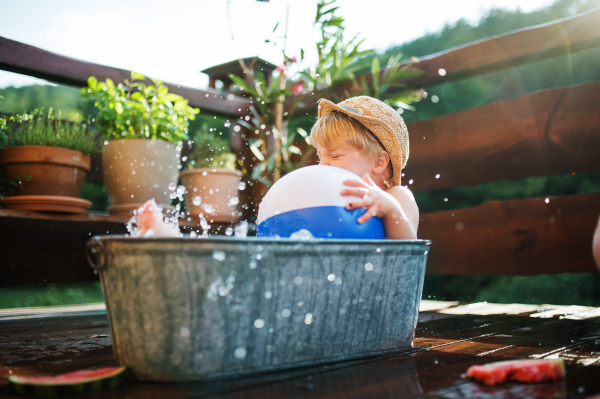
175, 40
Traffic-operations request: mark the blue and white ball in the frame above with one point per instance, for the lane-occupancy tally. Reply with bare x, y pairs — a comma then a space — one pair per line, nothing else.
309, 198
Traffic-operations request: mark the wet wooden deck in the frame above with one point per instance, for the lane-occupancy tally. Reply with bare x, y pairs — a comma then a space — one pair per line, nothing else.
450, 338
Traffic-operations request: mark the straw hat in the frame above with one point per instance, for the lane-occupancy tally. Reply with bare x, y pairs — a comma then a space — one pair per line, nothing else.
380, 119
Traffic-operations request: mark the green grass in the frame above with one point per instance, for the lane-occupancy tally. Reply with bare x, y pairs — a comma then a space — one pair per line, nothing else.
50, 295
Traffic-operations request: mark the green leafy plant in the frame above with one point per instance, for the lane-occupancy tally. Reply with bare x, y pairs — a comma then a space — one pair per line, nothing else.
338, 60
45, 129
210, 151
9, 185
138, 110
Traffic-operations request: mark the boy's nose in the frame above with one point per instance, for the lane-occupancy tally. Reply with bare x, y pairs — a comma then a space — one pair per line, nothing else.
324, 162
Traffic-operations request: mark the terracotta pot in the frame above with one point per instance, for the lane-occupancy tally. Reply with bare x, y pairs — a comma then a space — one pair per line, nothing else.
54, 171
215, 187
136, 170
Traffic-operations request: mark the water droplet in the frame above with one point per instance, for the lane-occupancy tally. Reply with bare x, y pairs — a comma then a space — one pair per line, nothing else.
435, 99
236, 128
378, 297
252, 264
337, 281
270, 348
240, 353
233, 201
368, 267
180, 190
378, 249
547, 200
259, 323
241, 186
442, 72
258, 256
331, 277
308, 318
218, 255
172, 186
228, 231
184, 332
204, 173
268, 295
286, 312
437, 176
298, 280
445, 199
410, 181
197, 200
227, 124
208, 208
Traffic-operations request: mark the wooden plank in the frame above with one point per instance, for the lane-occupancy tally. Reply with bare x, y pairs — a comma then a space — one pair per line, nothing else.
513, 237
535, 43
32, 61
550, 132
49, 248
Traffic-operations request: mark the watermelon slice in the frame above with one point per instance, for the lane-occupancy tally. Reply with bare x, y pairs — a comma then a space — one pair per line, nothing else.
68, 384
518, 370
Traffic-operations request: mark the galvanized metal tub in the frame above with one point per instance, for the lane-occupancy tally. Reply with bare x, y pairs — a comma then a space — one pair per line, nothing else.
183, 309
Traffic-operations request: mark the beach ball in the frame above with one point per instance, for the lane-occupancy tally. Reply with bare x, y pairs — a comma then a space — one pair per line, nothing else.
309, 199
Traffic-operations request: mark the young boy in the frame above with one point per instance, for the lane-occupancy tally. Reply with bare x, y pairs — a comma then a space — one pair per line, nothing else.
368, 137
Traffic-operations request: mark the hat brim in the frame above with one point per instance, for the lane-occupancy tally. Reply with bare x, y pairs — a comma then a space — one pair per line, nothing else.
379, 129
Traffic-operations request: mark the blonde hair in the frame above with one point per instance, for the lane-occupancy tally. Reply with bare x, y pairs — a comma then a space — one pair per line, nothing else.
336, 130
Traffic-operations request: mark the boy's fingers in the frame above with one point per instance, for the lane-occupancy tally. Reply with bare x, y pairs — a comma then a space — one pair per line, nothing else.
359, 192
367, 178
372, 211
363, 203
355, 183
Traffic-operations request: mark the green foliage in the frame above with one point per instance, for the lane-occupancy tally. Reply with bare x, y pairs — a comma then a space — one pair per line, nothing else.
95, 192
45, 129
337, 57
9, 185
387, 84
531, 187
23, 99
50, 295
210, 150
555, 289
137, 110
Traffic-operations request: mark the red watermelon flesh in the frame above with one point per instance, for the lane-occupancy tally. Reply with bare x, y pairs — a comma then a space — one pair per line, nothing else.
68, 384
518, 370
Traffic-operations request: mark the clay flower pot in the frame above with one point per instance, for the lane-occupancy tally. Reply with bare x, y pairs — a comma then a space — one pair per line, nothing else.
212, 192
54, 171
136, 170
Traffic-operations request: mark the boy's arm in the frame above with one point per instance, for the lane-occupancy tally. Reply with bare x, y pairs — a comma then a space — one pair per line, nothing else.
396, 207
405, 225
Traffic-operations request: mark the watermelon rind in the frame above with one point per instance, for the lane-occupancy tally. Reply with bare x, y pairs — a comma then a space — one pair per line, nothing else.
27, 385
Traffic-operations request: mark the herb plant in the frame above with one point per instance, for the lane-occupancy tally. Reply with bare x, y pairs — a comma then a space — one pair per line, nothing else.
210, 151
138, 110
45, 129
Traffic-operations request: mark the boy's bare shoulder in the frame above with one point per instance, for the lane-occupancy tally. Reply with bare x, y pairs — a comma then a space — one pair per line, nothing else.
407, 201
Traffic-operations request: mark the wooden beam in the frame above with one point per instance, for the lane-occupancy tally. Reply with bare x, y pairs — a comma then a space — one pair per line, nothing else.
32, 61
535, 43
550, 132
41, 248
517, 237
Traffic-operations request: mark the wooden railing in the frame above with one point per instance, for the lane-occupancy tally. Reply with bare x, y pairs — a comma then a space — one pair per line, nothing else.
550, 132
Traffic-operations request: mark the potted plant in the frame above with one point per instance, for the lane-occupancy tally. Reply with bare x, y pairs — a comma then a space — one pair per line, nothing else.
143, 127
43, 162
212, 183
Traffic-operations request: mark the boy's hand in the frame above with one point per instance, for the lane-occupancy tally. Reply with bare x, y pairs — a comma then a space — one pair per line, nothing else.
378, 202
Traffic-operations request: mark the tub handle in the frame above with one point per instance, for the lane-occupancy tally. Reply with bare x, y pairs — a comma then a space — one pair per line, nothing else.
96, 255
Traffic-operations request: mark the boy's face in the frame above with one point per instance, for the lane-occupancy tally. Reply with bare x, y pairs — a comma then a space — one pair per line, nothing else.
347, 157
